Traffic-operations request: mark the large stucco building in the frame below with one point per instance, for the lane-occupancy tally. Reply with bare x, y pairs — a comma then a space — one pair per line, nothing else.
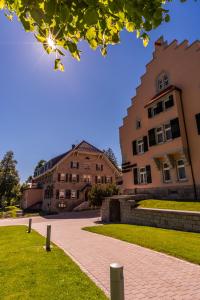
160, 136
64, 181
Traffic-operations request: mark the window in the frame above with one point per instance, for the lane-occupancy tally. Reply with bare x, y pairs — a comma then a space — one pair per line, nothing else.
74, 178
99, 167
142, 176
98, 179
108, 179
138, 124
169, 102
181, 170
159, 135
162, 82
168, 132
87, 178
154, 110
62, 194
62, 177
74, 164
140, 146
166, 173
73, 194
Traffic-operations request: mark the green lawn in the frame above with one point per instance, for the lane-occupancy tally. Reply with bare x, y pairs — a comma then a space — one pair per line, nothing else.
185, 245
170, 204
27, 271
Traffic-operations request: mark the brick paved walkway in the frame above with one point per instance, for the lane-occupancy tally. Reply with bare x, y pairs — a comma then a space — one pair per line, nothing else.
148, 274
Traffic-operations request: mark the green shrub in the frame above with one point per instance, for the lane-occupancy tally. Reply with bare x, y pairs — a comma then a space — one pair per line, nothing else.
98, 193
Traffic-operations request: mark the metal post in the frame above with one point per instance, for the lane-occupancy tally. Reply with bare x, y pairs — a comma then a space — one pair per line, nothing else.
48, 238
116, 282
29, 225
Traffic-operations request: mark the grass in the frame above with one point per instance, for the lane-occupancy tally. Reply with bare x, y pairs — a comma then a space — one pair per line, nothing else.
170, 204
184, 245
27, 271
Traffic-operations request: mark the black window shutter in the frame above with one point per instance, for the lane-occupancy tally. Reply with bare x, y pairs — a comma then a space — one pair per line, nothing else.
149, 112
77, 165
70, 177
159, 107
101, 167
111, 180
152, 137
96, 167
57, 194
102, 179
198, 122
134, 147
77, 177
145, 141
170, 102
148, 170
175, 128
105, 179
66, 177
95, 179
58, 176
135, 175
71, 164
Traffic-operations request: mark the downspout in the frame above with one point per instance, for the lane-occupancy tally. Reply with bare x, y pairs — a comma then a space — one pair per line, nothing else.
188, 147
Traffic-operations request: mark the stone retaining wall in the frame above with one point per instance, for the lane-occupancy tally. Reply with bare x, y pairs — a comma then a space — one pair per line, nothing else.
183, 192
169, 219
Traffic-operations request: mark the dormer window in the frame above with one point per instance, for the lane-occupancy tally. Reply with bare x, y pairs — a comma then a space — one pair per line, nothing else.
162, 82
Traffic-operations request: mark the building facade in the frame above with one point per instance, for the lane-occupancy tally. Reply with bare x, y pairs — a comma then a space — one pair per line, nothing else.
67, 178
160, 136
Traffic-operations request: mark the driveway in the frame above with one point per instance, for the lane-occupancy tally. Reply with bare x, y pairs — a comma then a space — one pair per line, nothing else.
148, 274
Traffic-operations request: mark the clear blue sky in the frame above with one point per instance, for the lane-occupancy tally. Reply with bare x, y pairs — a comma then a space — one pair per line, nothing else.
43, 112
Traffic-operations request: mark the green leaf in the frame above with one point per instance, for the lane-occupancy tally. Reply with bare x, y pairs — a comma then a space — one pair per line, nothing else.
59, 65
2, 4
130, 26
40, 38
91, 16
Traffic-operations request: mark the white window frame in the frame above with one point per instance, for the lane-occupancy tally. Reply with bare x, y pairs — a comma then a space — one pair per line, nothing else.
61, 194
166, 168
167, 129
179, 167
158, 133
140, 146
98, 179
108, 179
152, 110
73, 194
74, 177
142, 176
162, 82
87, 178
74, 164
62, 177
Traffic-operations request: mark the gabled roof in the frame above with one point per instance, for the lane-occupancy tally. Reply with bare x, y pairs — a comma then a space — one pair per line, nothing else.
83, 146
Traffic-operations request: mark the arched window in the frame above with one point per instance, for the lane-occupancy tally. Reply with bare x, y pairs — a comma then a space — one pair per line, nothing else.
162, 81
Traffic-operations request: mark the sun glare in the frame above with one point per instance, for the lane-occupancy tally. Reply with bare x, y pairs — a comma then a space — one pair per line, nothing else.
51, 42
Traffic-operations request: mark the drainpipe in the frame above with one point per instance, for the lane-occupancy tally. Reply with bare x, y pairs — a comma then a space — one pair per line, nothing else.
188, 147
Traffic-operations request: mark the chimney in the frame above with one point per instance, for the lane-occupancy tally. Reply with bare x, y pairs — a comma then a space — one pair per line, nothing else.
73, 146
160, 44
